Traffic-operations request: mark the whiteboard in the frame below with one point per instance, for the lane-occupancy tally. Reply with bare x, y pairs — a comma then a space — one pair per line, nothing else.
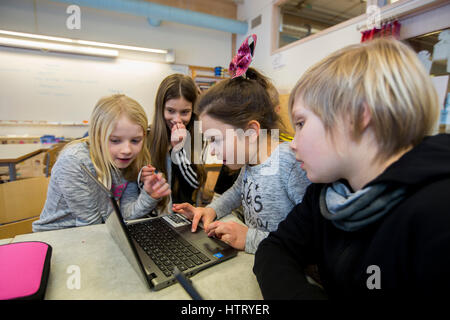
37, 85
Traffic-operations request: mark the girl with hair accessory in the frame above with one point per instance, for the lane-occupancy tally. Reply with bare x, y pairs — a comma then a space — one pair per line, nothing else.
226, 176
171, 139
376, 219
235, 115
114, 151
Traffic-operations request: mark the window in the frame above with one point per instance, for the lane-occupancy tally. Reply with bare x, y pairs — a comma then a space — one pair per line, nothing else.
429, 44
299, 19
433, 50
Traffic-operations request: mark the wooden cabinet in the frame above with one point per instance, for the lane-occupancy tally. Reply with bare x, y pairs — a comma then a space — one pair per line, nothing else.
284, 115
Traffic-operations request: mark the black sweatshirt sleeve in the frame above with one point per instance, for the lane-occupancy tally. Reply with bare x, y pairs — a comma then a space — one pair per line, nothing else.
431, 242
281, 257
186, 169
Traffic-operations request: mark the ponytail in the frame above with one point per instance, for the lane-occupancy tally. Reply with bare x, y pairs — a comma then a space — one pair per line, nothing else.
240, 100
253, 74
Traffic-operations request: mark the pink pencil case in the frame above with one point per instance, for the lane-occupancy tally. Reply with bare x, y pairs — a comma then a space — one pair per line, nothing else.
24, 270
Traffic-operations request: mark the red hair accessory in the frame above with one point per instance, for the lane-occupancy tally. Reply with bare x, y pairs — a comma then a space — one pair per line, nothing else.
241, 61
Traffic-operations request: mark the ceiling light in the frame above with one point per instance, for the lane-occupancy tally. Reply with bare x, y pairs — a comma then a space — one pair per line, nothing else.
57, 47
77, 45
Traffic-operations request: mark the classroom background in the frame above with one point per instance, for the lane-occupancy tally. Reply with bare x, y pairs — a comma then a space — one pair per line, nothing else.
57, 58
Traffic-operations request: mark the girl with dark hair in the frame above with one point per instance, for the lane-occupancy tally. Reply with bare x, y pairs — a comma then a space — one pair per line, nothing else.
240, 121
171, 138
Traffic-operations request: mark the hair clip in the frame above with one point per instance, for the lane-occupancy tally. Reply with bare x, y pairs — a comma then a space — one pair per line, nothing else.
241, 61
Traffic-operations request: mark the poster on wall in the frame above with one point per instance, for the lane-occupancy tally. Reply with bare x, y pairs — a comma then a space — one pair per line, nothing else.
278, 61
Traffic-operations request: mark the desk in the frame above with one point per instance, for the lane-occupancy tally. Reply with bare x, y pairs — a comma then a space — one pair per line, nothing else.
5, 241
11, 154
107, 274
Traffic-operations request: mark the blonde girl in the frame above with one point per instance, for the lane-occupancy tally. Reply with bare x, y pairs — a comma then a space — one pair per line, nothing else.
114, 151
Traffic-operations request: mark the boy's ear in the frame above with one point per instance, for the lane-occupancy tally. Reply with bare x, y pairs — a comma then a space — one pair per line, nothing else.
366, 116
254, 128
355, 127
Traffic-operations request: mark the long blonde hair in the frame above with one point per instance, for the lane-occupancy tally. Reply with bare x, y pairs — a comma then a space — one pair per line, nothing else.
103, 119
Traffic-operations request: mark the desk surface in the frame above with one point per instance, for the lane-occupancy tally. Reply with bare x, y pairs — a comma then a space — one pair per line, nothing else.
17, 152
5, 241
107, 274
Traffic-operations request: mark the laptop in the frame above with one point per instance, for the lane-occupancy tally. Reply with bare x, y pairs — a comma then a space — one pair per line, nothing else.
155, 246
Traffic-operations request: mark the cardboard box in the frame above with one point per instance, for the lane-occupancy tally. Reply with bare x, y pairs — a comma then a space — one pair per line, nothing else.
10, 230
22, 199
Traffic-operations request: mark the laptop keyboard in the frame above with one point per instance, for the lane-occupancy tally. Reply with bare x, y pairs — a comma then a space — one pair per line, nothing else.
166, 247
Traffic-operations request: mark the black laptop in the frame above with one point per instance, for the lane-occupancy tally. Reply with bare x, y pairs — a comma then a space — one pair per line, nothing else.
155, 246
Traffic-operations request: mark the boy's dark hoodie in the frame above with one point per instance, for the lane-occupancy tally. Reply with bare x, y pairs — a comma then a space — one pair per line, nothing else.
406, 253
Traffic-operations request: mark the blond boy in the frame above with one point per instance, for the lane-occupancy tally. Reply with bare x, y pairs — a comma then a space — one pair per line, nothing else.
376, 219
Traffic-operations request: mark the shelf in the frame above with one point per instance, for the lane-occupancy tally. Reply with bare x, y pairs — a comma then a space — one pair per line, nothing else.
210, 77
206, 73
200, 68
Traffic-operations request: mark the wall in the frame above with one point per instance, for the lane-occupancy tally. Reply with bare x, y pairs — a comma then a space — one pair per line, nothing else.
63, 88
192, 45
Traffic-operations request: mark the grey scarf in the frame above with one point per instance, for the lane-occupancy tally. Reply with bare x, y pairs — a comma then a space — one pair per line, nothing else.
352, 211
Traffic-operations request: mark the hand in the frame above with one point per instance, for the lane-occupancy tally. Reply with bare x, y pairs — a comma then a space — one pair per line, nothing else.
178, 136
147, 171
232, 233
155, 185
207, 215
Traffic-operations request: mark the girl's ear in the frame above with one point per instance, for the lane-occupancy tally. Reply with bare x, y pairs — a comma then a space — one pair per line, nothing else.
252, 130
277, 108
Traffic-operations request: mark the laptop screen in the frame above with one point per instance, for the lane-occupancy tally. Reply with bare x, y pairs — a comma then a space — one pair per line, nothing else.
117, 230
